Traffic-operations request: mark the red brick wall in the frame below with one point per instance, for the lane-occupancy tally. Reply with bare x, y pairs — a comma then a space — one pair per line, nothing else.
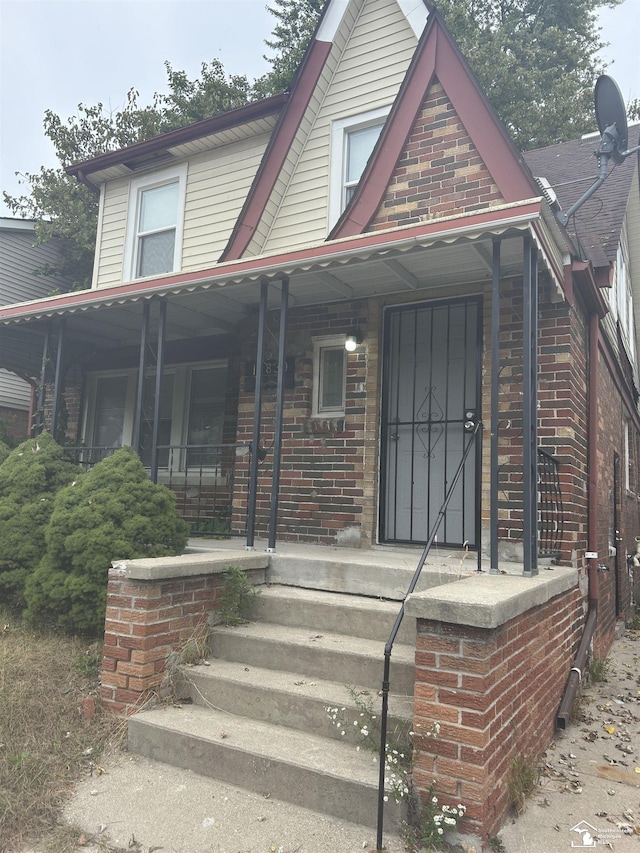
495, 693
611, 440
145, 622
440, 172
322, 490
15, 423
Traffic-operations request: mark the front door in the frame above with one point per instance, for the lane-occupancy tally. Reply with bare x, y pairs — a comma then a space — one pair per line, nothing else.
430, 392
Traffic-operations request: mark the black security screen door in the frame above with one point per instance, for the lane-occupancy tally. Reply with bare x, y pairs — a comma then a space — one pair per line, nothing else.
430, 392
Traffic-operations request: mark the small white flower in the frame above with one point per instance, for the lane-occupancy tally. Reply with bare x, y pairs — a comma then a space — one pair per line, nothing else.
440, 831
386, 799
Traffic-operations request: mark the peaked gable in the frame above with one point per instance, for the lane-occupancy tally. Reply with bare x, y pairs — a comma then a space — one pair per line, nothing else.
437, 61
439, 173
356, 61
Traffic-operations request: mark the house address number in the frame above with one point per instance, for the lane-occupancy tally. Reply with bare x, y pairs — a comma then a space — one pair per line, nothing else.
269, 374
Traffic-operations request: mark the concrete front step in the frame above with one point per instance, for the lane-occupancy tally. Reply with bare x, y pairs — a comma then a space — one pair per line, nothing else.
288, 700
314, 654
359, 616
300, 768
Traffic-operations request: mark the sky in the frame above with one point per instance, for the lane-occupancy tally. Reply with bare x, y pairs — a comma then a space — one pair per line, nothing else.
55, 54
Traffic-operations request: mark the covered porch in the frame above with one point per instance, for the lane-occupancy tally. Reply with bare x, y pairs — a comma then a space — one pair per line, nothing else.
178, 356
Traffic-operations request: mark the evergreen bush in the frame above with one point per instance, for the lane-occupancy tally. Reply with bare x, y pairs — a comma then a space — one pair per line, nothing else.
30, 477
113, 512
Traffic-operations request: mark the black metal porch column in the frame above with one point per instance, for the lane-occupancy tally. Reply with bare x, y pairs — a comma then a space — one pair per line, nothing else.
142, 369
277, 444
162, 329
257, 411
42, 391
57, 382
495, 408
530, 407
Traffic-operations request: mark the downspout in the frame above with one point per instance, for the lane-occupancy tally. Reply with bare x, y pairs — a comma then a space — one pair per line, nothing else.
575, 676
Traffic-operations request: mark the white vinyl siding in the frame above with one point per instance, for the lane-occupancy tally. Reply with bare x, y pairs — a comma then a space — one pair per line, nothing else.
217, 184
368, 76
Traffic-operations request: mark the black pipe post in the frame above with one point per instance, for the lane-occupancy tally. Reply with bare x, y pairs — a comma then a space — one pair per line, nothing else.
396, 627
530, 408
277, 444
495, 408
162, 328
42, 391
257, 411
142, 369
57, 382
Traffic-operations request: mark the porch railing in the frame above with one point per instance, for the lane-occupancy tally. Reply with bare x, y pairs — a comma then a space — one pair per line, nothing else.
202, 477
550, 510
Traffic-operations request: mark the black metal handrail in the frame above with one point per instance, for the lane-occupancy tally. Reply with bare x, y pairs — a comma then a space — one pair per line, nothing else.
550, 509
396, 627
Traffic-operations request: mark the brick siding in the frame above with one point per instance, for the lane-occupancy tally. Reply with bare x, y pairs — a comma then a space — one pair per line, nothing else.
495, 693
440, 172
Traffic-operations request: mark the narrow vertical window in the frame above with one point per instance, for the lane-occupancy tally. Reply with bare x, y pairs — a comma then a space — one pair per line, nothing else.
155, 224
156, 238
329, 371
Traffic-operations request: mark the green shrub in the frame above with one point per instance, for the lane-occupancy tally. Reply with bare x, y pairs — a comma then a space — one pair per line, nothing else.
114, 512
30, 477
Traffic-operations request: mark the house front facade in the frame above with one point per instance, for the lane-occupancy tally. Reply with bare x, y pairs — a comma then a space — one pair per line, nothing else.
350, 315
379, 202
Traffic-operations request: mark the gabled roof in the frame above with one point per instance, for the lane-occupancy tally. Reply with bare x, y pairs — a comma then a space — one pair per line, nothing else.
571, 168
437, 58
162, 148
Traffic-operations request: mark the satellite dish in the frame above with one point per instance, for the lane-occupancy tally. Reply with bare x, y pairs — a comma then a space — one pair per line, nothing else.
611, 116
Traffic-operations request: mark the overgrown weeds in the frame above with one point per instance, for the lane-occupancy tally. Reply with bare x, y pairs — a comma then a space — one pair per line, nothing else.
237, 597
524, 776
598, 669
45, 742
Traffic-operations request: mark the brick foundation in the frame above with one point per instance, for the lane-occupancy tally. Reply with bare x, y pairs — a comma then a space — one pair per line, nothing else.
150, 617
495, 692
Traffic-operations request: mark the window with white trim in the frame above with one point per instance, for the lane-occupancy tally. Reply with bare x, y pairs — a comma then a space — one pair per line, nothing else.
625, 294
329, 377
154, 228
191, 412
352, 142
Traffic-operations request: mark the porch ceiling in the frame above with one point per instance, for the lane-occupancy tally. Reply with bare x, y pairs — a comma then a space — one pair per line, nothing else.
102, 320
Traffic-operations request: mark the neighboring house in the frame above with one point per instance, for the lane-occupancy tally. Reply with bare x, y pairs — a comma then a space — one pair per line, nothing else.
20, 258
373, 240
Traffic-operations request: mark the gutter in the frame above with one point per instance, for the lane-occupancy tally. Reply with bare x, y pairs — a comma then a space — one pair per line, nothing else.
577, 670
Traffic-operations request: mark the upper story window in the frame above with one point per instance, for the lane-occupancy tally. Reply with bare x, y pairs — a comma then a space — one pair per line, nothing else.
352, 141
154, 230
624, 294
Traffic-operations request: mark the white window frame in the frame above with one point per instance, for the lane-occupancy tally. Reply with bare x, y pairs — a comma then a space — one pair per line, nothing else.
320, 346
137, 187
624, 294
179, 409
340, 130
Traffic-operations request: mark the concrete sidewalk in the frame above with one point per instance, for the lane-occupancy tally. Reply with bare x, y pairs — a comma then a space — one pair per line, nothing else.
589, 791
588, 796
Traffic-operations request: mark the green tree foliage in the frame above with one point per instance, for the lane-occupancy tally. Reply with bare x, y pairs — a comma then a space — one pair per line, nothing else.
30, 478
296, 22
65, 209
113, 512
536, 59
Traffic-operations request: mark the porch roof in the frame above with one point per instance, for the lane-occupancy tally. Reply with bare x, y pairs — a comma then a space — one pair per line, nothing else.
216, 300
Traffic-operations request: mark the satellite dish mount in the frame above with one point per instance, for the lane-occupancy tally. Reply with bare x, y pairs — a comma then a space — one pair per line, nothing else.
611, 116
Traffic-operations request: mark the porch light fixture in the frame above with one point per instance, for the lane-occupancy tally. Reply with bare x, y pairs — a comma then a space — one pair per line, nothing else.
353, 339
